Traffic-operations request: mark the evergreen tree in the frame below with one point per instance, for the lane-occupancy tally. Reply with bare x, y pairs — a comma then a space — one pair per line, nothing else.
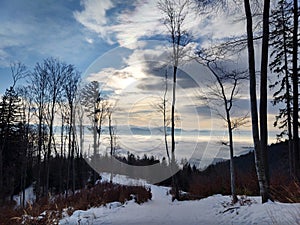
12, 142
281, 64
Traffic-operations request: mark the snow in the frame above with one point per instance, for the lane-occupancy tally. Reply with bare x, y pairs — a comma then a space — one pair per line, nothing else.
161, 210
123, 180
29, 196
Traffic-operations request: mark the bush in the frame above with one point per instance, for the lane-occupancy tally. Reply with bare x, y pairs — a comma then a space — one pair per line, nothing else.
49, 211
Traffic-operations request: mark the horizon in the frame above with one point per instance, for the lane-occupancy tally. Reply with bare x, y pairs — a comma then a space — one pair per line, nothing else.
124, 47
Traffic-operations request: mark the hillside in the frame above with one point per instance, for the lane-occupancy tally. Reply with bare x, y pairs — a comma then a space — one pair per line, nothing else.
215, 179
277, 157
213, 210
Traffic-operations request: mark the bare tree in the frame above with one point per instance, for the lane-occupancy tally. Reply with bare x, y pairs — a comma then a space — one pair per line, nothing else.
162, 107
101, 113
95, 109
64, 117
112, 137
174, 16
80, 123
38, 84
225, 88
18, 72
296, 92
70, 87
27, 104
90, 97
263, 110
56, 73
260, 148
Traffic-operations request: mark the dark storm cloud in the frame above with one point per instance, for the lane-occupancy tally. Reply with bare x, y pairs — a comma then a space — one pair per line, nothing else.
157, 73
152, 84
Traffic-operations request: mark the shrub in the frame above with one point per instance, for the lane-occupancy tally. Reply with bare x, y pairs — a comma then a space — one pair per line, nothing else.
49, 211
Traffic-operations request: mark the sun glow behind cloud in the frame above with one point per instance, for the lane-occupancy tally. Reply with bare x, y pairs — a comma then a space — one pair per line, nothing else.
133, 28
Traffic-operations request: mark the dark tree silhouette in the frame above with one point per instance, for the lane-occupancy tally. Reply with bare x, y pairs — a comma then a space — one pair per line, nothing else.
260, 149
296, 92
281, 64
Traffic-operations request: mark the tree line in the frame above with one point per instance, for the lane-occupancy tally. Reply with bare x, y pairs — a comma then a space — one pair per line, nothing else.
40, 141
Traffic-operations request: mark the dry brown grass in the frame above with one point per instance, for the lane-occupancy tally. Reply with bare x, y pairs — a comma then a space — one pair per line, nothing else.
286, 192
47, 211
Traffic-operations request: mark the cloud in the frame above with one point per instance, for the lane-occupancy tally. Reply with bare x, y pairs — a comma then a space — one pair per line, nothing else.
204, 111
142, 21
134, 21
126, 23
94, 16
40, 30
4, 58
89, 40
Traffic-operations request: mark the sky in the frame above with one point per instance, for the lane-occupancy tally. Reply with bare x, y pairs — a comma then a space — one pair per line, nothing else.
123, 45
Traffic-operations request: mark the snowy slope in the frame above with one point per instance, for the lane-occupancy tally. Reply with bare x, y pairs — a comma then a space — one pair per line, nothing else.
211, 210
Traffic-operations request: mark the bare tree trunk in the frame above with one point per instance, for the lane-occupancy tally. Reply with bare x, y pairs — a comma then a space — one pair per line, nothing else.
38, 182
69, 161
95, 140
61, 154
111, 143
174, 13
1, 176
253, 101
296, 94
228, 106
81, 128
264, 96
52, 113
72, 147
173, 114
173, 160
24, 169
232, 168
164, 111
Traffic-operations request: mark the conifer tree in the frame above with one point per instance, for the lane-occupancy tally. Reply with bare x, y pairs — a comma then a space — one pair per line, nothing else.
281, 42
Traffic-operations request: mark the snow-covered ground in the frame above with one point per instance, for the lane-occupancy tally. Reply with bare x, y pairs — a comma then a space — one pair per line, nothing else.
29, 196
161, 210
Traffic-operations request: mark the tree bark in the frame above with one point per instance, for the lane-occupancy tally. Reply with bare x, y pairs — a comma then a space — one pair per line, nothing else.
164, 111
232, 168
49, 145
110, 128
264, 96
296, 94
173, 113
259, 164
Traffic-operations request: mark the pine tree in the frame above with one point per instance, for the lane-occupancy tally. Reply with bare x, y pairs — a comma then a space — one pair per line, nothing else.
281, 64
12, 142
282, 42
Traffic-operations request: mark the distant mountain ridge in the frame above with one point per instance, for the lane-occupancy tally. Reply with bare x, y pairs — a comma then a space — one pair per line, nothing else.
277, 157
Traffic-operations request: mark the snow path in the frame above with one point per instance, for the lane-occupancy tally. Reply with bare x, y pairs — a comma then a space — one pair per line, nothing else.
161, 210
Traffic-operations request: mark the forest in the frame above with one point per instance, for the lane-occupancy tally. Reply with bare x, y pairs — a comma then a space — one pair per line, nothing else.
47, 112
